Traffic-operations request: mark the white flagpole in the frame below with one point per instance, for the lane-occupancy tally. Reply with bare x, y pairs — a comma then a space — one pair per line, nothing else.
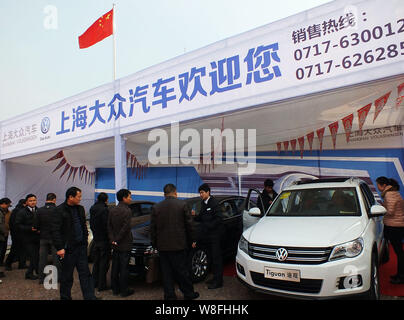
113, 36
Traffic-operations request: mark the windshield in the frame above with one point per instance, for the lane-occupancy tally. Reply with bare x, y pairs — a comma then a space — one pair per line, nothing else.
316, 202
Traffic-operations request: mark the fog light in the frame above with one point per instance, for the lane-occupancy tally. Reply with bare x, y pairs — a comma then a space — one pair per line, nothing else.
350, 282
240, 269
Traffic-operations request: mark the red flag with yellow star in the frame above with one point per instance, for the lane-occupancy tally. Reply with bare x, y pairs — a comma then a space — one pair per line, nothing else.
99, 30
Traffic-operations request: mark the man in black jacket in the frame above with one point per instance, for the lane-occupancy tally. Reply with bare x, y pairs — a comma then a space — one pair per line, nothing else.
102, 247
70, 237
43, 223
120, 236
212, 229
268, 194
171, 230
17, 250
29, 235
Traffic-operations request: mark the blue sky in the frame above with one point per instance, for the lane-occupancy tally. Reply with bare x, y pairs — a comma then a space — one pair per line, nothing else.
41, 62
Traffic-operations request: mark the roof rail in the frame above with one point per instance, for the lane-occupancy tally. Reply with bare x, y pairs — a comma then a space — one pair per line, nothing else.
323, 180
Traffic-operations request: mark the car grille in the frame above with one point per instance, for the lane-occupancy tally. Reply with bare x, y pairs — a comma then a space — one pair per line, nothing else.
295, 255
304, 286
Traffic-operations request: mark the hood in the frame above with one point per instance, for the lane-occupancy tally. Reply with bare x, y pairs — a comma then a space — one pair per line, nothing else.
305, 231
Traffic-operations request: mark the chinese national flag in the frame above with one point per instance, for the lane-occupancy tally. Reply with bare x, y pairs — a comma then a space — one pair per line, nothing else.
98, 31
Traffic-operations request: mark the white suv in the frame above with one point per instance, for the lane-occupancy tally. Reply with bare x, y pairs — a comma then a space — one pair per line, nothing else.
319, 239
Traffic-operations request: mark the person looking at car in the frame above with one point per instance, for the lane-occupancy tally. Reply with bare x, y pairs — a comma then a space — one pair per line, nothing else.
171, 227
102, 246
268, 194
120, 236
212, 230
393, 222
70, 237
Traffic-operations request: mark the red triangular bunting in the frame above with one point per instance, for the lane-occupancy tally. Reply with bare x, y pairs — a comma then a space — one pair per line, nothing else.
380, 103
310, 138
301, 146
61, 163
286, 145
400, 95
65, 170
334, 130
347, 122
75, 169
320, 136
293, 145
70, 173
362, 114
279, 147
56, 156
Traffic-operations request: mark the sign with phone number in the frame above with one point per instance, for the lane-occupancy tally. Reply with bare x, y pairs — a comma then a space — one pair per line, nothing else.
359, 38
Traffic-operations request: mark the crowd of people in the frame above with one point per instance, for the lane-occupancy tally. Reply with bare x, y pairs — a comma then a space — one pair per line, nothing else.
62, 232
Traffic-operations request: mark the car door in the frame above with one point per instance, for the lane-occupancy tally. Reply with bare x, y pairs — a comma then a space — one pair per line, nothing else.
233, 225
253, 200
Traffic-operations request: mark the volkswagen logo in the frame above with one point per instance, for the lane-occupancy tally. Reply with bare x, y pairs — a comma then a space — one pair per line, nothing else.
281, 254
45, 125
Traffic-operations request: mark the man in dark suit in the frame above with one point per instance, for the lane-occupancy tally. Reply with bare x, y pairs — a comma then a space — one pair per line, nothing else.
102, 247
120, 236
29, 235
268, 194
43, 223
212, 229
171, 230
70, 237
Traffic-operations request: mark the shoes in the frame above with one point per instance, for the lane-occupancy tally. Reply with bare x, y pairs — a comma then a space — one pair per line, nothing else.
127, 293
8, 268
115, 293
103, 289
31, 277
2, 275
193, 296
215, 285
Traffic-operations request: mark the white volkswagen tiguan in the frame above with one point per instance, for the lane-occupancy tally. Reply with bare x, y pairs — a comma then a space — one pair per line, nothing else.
319, 239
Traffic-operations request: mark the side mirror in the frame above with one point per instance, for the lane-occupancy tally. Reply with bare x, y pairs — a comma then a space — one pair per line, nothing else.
377, 210
255, 212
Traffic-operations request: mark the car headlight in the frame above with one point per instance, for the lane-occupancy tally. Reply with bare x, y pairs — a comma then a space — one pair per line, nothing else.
243, 245
347, 250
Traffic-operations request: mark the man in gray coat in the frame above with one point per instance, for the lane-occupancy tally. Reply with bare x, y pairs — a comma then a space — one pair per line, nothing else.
171, 231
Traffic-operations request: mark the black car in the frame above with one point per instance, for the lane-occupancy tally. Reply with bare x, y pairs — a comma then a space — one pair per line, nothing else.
141, 211
142, 252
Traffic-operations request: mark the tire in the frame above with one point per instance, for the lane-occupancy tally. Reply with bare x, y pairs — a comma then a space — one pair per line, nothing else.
374, 291
199, 263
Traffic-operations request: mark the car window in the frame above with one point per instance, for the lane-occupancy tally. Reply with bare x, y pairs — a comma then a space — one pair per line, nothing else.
140, 209
146, 208
227, 209
240, 204
194, 205
316, 202
368, 194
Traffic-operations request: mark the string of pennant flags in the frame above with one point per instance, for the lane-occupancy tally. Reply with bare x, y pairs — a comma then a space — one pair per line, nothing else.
347, 123
83, 172
133, 163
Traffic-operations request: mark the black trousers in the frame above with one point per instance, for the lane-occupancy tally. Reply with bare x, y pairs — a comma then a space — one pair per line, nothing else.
174, 267
32, 252
395, 235
3, 249
213, 244
76, 258
102, 255
17, 252
120, 271
45, 247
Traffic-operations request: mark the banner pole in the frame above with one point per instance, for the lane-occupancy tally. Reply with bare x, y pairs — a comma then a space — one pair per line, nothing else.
113, 36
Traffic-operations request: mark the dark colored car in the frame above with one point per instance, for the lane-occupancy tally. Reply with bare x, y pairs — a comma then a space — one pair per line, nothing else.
142, 252
141, 211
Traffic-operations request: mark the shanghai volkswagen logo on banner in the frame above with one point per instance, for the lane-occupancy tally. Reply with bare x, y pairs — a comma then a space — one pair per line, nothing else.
45, 125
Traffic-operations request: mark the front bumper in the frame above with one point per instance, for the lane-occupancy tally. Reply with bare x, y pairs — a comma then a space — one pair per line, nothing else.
320, 281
